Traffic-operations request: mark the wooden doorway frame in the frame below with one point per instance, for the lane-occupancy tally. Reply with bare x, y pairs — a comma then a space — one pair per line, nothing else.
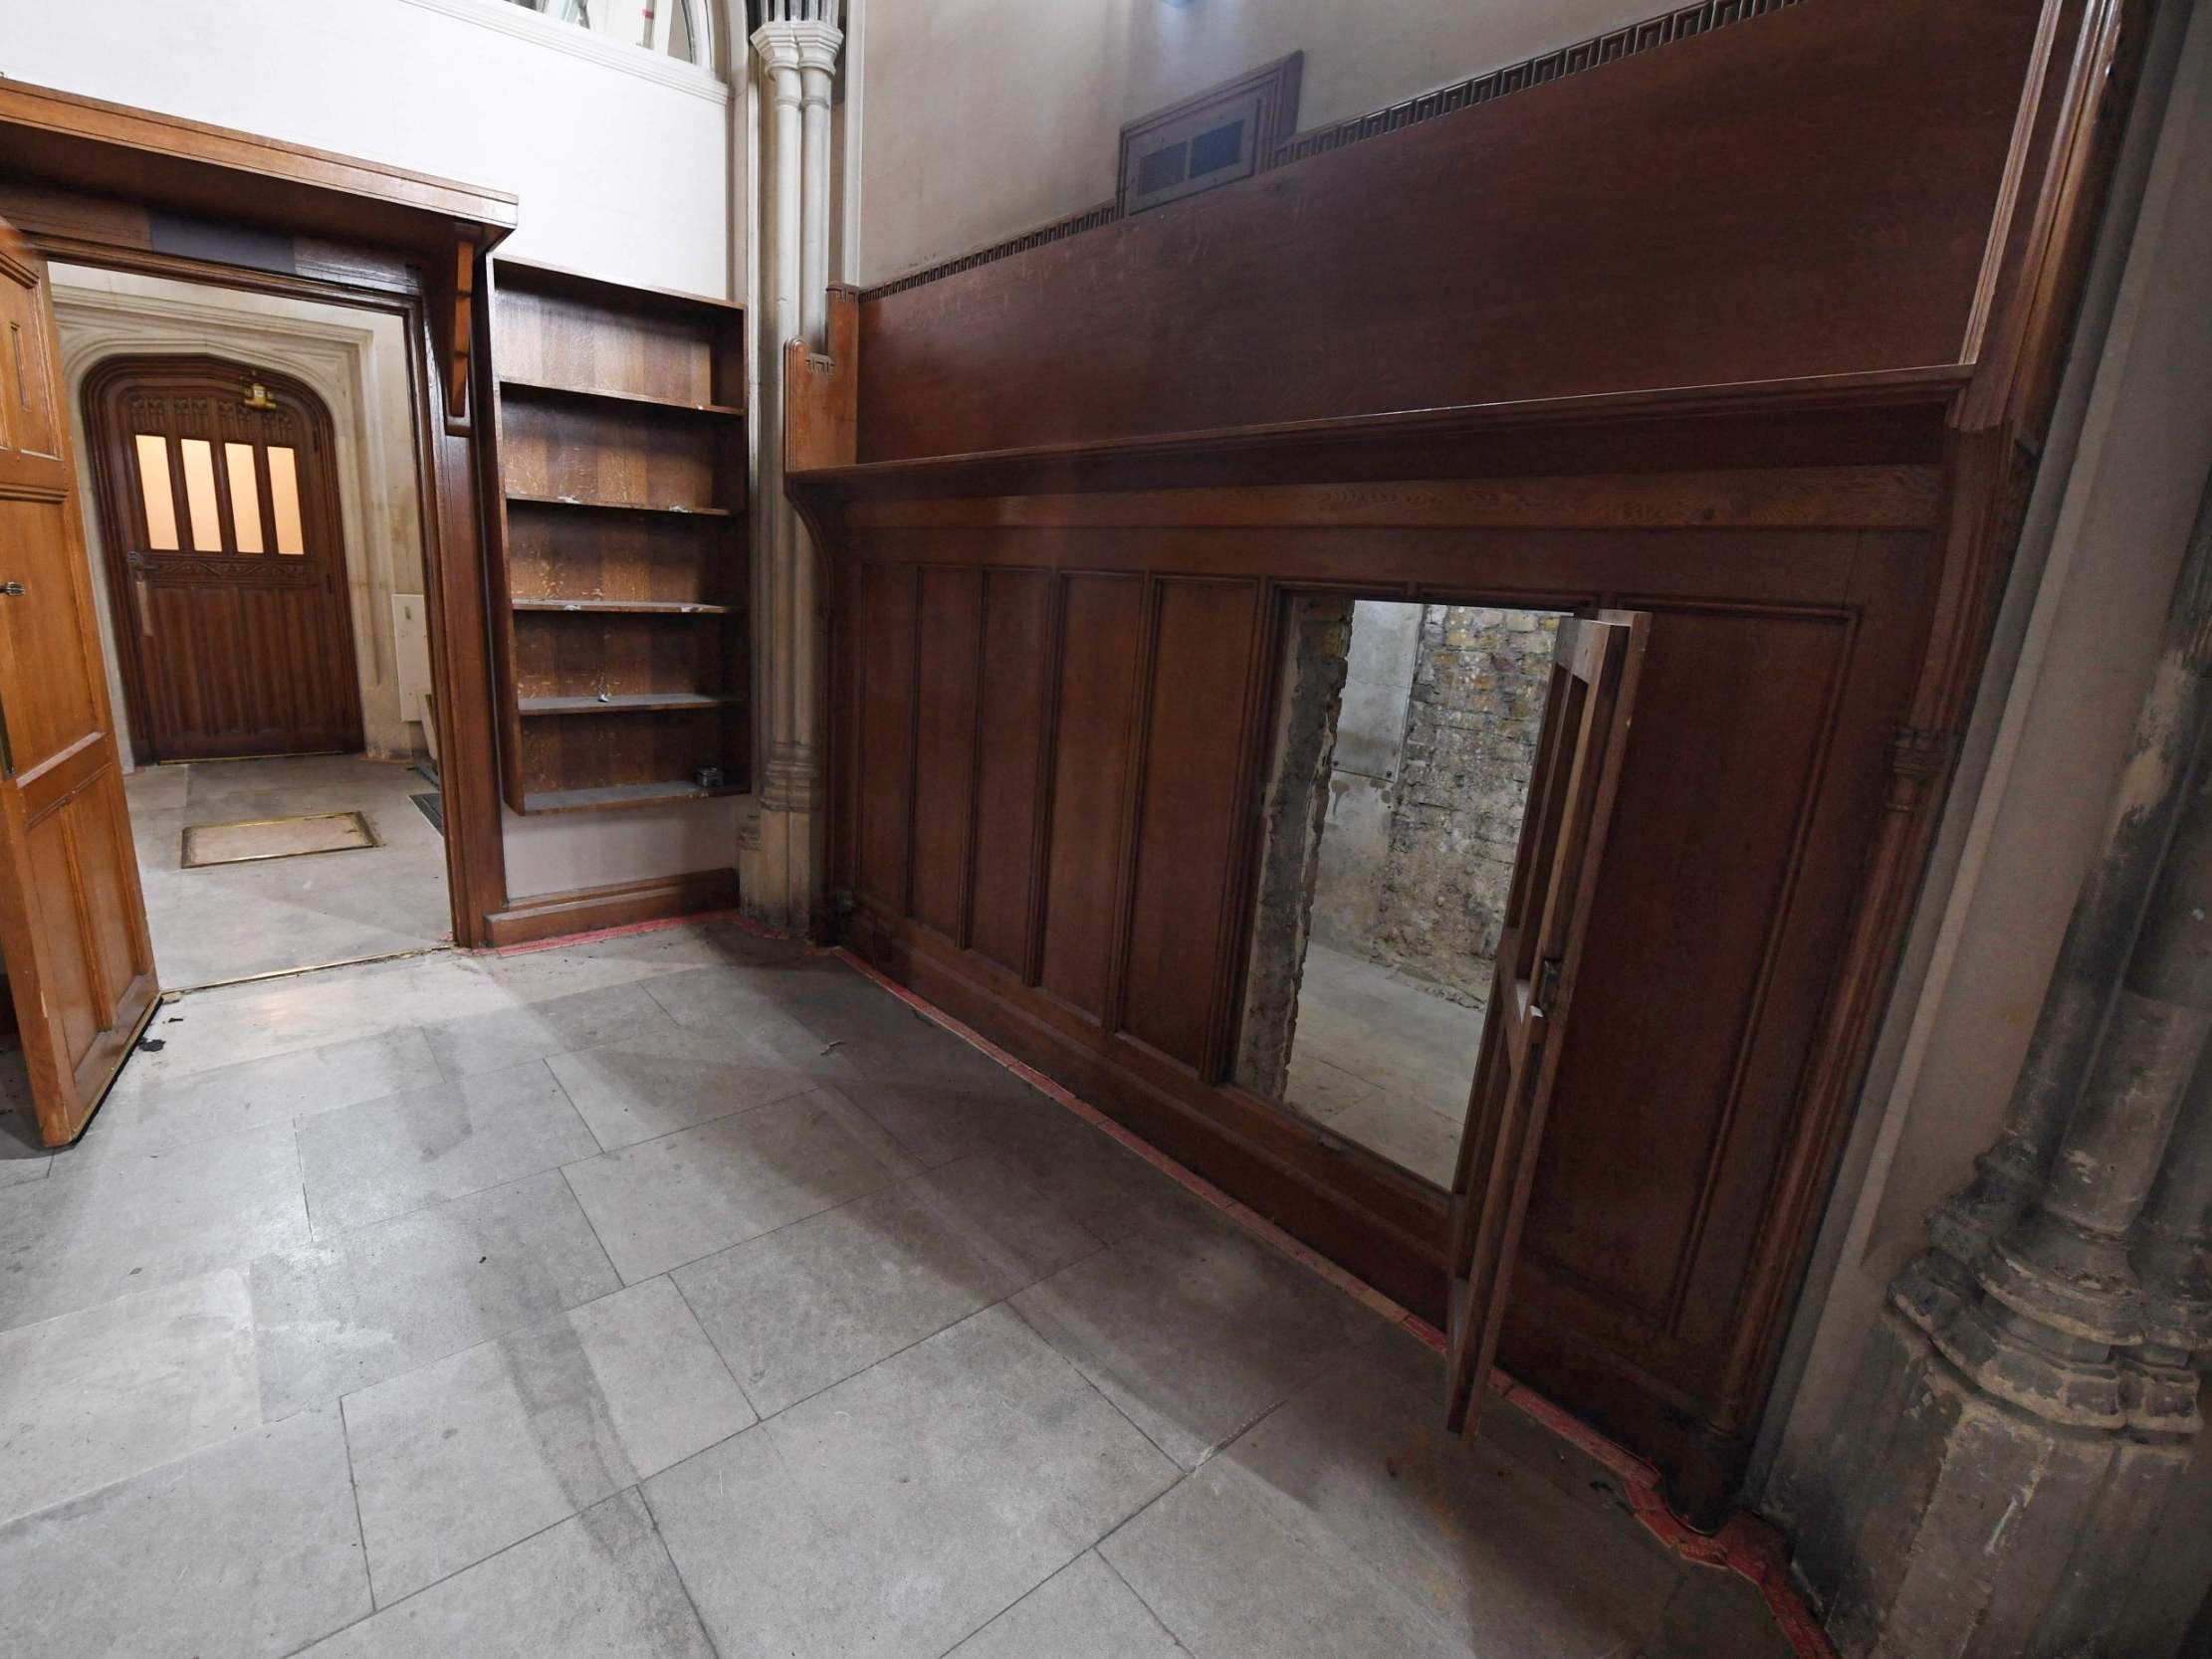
114, 504
124, 189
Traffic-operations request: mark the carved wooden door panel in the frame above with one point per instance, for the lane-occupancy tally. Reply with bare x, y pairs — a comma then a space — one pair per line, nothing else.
226, 569
1547, 910
73, 922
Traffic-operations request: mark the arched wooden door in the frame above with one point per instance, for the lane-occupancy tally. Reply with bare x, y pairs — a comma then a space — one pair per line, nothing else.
226, 569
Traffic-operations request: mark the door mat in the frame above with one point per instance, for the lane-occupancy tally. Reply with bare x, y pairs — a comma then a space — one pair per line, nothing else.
253, 839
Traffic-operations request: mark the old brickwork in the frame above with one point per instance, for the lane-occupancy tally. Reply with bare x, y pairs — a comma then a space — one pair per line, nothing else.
1475, 716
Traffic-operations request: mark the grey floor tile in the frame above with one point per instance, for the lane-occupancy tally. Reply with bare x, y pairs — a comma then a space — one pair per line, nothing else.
947, 1107
166, 1111
385, 1158
1231, 1581
900, 1510
1084, 1172
497, 1039
956, 1103
476, 1452
760, 1004
84, 1236
97, 1395
655, 1082
1083, 1611
665, 1203
814, 1301
596, 1586
1193, 1328
345, 1312
1358, 1467
246, 1548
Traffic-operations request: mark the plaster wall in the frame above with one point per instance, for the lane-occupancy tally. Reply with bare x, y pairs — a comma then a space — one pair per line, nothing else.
355, 362
2075, 645
984, 117
621, 160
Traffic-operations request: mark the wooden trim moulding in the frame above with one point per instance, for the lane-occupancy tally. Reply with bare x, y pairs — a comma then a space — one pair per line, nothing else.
589, 909
1826, 497
1033, 471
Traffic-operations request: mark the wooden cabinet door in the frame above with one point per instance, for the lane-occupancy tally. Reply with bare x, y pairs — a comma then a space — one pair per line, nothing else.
218, 510
1547, 910
72, 923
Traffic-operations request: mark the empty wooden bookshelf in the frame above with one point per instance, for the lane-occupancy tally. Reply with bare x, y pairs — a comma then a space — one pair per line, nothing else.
619, 432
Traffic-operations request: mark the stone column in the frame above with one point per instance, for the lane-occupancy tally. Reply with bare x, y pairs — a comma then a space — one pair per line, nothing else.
797, 42
2106, 917
2016, 1474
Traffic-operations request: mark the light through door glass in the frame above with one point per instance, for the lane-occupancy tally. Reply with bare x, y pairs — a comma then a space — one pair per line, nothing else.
156, 491
245, 497
199, 495
284, 499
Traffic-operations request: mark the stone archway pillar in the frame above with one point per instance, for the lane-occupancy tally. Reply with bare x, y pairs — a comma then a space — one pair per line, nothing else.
780, 878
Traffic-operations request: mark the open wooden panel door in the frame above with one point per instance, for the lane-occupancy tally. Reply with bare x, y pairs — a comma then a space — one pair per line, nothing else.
1547, 910
73, 922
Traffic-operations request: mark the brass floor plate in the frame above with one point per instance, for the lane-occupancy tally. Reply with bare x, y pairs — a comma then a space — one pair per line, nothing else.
250, 840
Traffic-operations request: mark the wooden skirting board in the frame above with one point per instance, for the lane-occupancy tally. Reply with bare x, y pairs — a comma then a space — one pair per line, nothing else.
589, 909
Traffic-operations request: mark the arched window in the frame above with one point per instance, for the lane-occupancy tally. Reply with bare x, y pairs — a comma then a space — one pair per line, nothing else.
676, 27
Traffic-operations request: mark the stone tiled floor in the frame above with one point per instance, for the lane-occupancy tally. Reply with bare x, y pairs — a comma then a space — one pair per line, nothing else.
230, 920
688, 1295
1383, 1061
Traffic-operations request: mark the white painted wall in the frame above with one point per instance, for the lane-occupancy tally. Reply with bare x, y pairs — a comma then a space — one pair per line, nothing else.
621, 158
355, 362
984, 118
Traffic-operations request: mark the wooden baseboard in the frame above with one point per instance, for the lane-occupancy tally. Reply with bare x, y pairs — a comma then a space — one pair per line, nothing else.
588, 908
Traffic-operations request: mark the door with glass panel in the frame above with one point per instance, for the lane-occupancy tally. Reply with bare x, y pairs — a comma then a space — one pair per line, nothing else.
226, 571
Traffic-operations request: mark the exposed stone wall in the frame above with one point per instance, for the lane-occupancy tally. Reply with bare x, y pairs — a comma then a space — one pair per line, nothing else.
1315, 647
1475, 716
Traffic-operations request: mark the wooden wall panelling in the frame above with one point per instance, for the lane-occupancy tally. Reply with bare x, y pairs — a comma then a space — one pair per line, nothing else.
1688, 434
950, 617
1646, 252
1191, 815
1760, 643
1104, 633
1019, 671
887, 607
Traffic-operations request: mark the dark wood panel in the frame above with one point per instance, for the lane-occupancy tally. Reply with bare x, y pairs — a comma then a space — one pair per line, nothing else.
555, 554
1732, 729
640, 456
1017, 680
1102, 643
596, 340
886, 721
585, 653
1754, 204
950, 632
1192, 817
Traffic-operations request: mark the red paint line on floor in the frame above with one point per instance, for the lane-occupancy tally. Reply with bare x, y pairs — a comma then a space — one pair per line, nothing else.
1744, 1544
562, 940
